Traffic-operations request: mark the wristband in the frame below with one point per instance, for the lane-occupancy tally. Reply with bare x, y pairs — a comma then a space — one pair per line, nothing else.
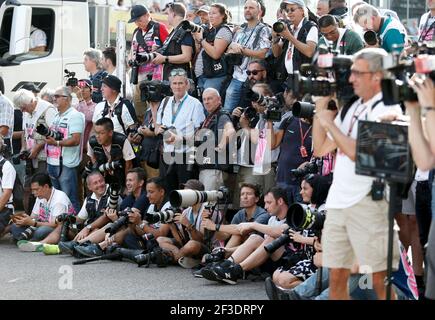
217, 226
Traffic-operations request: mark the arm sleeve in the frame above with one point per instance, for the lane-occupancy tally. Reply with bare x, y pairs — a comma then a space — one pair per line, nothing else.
163, 32
127, 151
77, 123
83, 213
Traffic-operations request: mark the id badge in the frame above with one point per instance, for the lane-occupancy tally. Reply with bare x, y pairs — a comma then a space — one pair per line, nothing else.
303, 151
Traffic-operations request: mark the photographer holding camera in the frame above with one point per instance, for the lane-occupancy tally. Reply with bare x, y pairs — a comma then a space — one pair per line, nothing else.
92, 62
210, 66
50, 203
251, 253
64, 152
354, 220
184, 114
300, 42
178, 50
218, 130
251, 42
7, 181
107, 146
422, 141
391, 34
36, 111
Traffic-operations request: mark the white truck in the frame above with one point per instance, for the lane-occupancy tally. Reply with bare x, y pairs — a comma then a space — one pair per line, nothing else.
71, 27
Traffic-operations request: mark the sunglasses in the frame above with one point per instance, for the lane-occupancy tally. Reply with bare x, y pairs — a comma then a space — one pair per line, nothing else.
288, 10
178, 72
253, 72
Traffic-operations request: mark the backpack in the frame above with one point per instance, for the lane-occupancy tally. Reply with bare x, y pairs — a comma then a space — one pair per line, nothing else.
17, 191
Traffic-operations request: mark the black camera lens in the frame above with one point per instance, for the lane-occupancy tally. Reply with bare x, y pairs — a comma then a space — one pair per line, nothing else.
278, 26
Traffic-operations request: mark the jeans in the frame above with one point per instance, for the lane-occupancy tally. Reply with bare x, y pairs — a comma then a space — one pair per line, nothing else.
67, 182
233, 95
40, 233
423, 210
216, 83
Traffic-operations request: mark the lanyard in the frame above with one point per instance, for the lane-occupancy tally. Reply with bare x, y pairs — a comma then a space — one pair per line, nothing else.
423, 37
174, 116
355, 118
303, 136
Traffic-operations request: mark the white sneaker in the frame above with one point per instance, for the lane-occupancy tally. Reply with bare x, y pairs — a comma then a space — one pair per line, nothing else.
188, 262
31, 246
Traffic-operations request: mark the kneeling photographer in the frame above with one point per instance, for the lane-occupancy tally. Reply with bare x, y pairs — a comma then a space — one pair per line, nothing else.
188, 242
110, 152
354, 220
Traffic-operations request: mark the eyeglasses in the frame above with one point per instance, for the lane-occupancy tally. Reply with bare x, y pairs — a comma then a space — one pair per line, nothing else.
57, 96
357, 73
178, 72
288, 10
253, 72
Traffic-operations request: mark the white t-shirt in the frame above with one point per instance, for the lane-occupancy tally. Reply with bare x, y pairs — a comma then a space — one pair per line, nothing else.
152, 209
274, 222
311, 36
47, 211
185, 117
127, 151
8, 179
37, 37
348, 188
125, 115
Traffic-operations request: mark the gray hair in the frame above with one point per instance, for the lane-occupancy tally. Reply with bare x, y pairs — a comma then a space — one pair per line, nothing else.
93, 173
23, 97
178, 72
364, 10
95, 55
212, 90
66, 91
47, 94
373, 56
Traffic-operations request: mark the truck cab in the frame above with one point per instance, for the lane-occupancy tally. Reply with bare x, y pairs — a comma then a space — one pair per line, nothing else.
70, 28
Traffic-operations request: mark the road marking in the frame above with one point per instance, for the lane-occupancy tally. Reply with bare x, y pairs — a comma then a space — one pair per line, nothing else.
14, 280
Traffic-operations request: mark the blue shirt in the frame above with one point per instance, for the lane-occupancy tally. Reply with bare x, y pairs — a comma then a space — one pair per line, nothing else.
392, 37
260, 215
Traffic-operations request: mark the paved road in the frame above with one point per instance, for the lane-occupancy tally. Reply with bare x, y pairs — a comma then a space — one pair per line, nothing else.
32, 275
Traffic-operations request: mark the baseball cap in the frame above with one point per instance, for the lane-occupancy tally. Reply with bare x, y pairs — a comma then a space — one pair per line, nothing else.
31, 87
137, 11
205, 9
113, 82
193, 184
85, 83
300, 3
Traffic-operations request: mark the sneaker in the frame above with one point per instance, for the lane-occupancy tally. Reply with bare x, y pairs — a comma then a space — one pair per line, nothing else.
198, 273
68, 247
31, 246
50, 249
188, 262
228, 274
271, 289
92, 250
26, 234
287, 294
218, 254
209, 274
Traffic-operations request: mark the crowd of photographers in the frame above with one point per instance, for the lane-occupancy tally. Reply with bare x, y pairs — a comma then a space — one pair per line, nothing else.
174, 162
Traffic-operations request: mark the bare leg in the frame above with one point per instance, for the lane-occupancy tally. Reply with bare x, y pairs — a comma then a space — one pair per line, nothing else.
338, 284
247, 248
379, 285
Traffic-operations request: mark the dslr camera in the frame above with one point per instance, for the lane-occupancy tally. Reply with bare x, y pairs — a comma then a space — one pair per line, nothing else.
165, 216
273, 105
330, 75
46, 132
71, 81
395, 86
154, 90
192, 27
121, 222
280, 25
309, 168
23, 155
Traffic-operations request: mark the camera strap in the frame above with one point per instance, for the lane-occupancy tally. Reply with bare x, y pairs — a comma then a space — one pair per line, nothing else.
175, 115
426, 31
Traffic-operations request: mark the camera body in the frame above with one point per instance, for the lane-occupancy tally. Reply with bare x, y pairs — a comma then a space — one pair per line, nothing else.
46, 132
71, 81
65, 217
234, 59
154, 90
273, 105
309, 168
165, 216
330, 75
395, 86
23, 155
121, 222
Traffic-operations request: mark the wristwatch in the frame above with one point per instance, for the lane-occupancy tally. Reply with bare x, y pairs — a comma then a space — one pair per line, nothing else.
167, 59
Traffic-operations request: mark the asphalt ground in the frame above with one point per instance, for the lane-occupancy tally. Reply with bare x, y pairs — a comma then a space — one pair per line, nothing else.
33, 275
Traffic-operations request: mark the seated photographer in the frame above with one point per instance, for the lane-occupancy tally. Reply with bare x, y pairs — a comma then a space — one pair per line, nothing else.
139, 229
345, 41
210, 66
217, 129
7, 181
63, 145
188, 242
49, 204
314, 190
35, 111
184, 114
178, 49
391, 34
106, 147
100, 239
252, 254
250, 212
256, 158
355, 221
118, 109
300, 41
251, 42
422, 141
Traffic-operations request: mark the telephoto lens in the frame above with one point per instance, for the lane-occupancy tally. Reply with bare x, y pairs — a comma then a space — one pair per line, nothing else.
114, 191
278, 242
278, 26
370, 38
114, 165
191, 27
